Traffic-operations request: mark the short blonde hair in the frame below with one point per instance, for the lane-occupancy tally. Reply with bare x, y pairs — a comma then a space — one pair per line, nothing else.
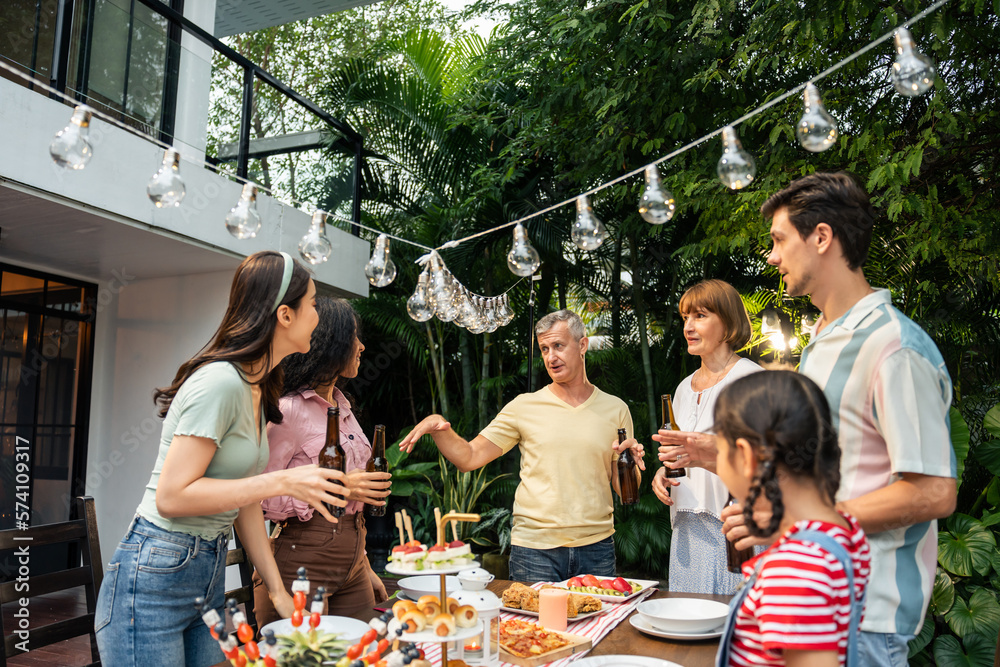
721, 298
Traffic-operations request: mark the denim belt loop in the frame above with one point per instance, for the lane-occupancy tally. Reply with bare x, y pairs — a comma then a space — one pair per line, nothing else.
131, 526
197, 546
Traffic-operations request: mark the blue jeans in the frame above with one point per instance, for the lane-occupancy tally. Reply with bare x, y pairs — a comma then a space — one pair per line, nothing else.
562, 562
883, 649
145, 610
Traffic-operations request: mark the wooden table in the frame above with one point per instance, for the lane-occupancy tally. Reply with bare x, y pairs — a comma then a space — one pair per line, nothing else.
626, 640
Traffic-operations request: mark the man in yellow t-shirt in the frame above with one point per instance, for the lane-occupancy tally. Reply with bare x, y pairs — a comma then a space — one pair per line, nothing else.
568, 435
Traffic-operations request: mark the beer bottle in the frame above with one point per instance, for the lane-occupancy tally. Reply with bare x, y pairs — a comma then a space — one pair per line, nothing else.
627, 483
670, 424
377, 463
736, 557
332, 455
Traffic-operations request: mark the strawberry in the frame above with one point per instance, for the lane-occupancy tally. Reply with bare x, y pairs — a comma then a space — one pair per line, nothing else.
575, 581
620, 584
608, 584
590, 580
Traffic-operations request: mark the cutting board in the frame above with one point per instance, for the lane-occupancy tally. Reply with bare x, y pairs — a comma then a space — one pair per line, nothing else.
576, 644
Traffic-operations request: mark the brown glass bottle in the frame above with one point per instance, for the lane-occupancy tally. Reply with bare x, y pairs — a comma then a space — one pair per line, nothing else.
377, 463
332, 455
670, 424
627, 483
736, 557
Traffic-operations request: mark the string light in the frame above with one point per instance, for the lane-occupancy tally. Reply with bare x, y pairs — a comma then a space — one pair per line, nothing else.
71, 148
418, 306
315, 246
380, 269
588, 231
243, 220
913, 72
657, 205
166, 187
523, 259
736, 167
816, 130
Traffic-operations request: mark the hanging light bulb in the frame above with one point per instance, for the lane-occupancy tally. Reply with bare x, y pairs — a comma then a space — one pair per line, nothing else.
442, 290
166, 187
522, 260
508, 312
736, 167
492, 322
243, 220
380, 269
479, 326
913, 72
315, 246
70, 147
588, 231
817, 130
419, 304
657, 205
468, 314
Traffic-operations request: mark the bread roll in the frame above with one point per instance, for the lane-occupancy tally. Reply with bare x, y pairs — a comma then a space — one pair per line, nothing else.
403, 606
443, 624
415, 620
466, 616
451, 604
424, 599
429, 609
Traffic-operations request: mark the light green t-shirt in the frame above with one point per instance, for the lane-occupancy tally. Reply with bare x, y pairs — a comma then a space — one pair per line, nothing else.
565, 497
215, 403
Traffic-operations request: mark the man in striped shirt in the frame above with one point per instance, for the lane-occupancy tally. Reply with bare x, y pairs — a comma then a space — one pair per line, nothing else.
889, 393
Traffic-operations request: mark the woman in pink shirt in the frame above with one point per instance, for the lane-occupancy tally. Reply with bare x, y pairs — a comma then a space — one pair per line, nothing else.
335, 560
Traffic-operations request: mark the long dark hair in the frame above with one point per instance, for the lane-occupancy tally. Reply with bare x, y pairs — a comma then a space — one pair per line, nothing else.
248, 326
330, 351
786, 419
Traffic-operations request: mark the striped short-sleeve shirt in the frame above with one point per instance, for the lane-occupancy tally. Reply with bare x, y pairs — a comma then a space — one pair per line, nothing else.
800, 600
889, 393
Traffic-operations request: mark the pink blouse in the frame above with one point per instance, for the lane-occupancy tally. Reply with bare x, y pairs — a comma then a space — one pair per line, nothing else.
298, 439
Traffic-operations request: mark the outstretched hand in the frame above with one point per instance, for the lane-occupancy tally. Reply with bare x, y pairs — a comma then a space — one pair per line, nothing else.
315, 485
685, 449
431, 424
368, 487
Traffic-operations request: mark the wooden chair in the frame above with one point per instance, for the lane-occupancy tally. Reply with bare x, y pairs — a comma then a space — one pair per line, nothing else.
244, 594
82, 533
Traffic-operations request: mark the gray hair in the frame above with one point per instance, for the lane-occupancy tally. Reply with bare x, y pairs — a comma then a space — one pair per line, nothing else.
572, 320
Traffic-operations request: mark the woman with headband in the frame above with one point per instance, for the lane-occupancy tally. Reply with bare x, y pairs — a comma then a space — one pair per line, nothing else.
207, 477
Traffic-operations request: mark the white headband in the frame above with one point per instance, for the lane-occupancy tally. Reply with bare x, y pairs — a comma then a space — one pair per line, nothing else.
286, 278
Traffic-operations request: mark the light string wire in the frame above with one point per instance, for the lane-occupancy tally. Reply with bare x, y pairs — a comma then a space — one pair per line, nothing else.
456, 242
697, 142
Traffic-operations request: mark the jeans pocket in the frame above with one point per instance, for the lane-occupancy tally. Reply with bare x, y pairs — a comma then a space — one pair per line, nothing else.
166, 559
106, 597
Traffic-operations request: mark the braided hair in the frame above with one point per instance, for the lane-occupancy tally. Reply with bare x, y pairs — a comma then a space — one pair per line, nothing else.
786, 419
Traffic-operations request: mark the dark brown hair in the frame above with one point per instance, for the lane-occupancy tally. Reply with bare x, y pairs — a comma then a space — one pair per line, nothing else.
834, 198
786, 419
331, 349
247, 327
721, 298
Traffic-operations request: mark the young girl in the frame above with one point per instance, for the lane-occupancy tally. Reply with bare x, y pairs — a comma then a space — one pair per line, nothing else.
778, 454
207, 476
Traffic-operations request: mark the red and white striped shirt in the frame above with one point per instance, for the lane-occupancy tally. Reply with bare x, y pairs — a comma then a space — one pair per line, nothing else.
800, 599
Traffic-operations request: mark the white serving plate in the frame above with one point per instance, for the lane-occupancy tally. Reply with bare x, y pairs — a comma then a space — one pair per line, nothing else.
349, 629
392, 568
624, 661
645, 583
683, 615
640, 624
431, 636
427, 584
578, 617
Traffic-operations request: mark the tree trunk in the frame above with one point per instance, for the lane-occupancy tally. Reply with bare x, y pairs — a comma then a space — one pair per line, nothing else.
484, 376
640, 315
466, 352
616, 298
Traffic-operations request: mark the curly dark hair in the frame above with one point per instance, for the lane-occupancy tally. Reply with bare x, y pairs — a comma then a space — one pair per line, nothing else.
786, 419
330, 350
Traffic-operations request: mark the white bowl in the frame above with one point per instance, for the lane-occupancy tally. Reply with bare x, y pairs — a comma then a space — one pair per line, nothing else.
430, 584
349, 629
683, 615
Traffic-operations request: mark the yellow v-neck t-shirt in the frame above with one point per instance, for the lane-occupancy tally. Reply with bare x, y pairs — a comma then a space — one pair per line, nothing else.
565, 496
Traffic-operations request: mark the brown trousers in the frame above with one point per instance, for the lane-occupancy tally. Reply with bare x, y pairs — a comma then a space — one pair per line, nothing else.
335, 561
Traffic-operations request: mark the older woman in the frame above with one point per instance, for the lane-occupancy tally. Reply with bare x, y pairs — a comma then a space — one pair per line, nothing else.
715, 326
335, 560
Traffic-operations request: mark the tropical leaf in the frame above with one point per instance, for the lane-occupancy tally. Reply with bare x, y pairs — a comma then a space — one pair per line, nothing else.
992, 422
943, 595
923, 637
966, 547
988, 453
977, 652
980, 615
